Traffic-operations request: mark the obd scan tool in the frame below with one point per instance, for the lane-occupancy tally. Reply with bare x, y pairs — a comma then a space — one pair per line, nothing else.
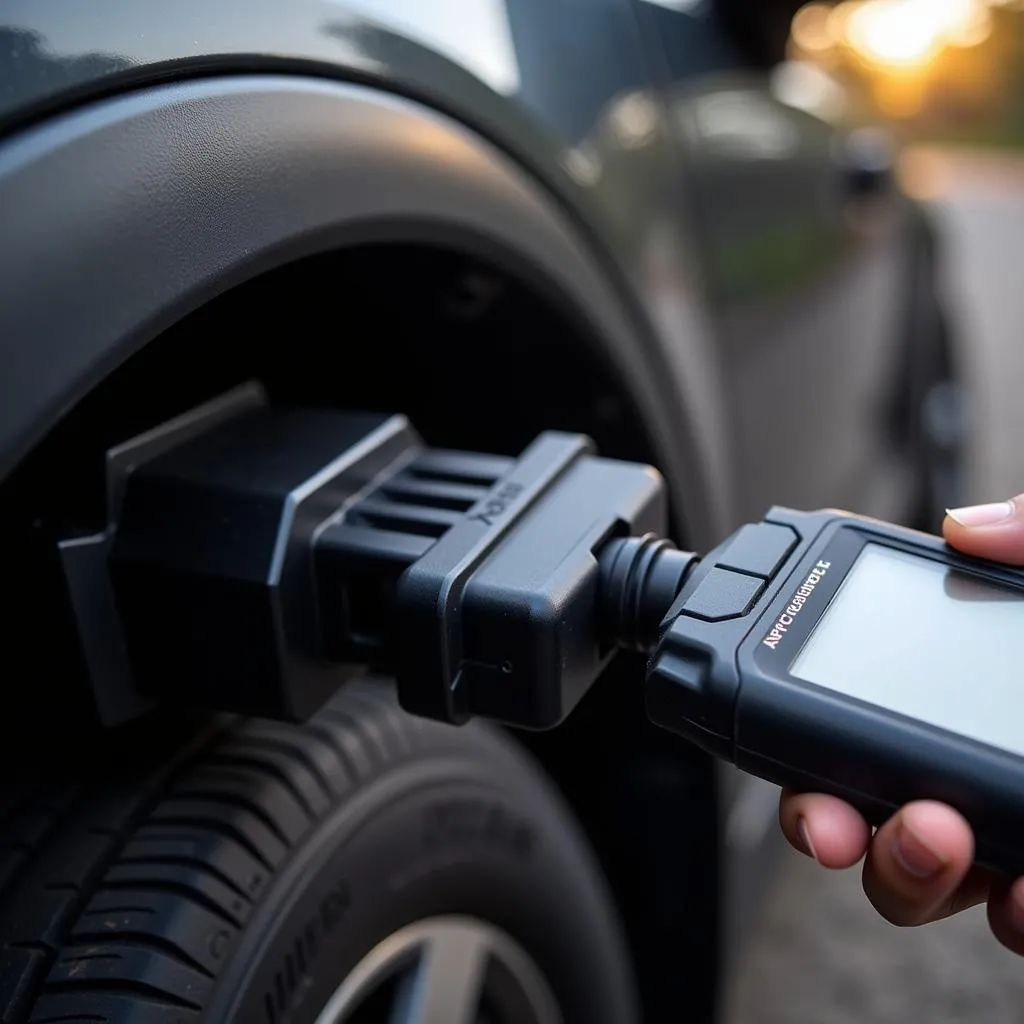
256, 556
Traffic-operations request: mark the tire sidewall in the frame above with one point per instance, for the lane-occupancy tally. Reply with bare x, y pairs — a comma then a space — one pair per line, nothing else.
435, 836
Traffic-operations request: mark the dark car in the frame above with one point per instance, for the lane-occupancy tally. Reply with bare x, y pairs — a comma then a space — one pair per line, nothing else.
601, 216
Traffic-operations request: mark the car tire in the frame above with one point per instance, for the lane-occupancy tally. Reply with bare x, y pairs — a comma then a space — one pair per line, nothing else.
364, 863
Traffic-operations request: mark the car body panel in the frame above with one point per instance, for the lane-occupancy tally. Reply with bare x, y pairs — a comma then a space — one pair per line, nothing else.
286, 166
804, 289
601, 147
804, 276
803, 283
641, 119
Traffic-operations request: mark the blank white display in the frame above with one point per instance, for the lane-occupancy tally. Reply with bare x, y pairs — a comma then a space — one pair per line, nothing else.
938, 645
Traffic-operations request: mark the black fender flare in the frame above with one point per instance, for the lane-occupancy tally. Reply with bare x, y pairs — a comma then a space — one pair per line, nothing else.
120, 217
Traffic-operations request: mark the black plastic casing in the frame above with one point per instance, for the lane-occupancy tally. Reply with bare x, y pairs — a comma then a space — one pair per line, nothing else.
719, 684
499, 616
212, 562
255, 557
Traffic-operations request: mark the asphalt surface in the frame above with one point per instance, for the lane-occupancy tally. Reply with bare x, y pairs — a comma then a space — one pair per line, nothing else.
819, 954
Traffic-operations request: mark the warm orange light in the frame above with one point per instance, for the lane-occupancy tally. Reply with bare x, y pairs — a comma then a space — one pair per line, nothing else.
898, 97
974, 30
812, 30
839, 18
894, 32
920, 173
908, 34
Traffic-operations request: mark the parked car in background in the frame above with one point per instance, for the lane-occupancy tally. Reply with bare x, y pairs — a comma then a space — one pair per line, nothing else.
495, 218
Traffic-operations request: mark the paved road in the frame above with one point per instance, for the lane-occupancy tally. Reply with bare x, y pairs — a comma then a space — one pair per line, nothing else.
821, 956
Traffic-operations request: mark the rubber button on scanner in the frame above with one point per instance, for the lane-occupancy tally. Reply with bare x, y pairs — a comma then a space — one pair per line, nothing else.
759, 548
723, 595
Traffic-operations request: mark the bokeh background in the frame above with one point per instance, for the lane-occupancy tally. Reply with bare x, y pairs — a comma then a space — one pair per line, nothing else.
947, 71
946, 79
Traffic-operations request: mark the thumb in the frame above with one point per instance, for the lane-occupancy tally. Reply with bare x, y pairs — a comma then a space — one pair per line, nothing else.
994, 531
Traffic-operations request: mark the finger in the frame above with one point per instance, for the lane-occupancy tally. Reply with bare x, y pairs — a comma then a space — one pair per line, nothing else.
917, 862
994, 531
974, 889
1006, 914
824, 828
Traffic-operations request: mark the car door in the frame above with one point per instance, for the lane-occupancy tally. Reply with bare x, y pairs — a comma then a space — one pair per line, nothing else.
800, 270
801, 267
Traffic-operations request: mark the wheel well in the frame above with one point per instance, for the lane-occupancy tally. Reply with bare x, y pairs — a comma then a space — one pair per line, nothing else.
477, 357
129, 214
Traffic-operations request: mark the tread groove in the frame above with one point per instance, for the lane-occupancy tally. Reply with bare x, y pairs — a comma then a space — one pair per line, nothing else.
32, 947
182, 860
271, 771
204, 795
391, 723
141, 940
120, 908
89, 956
220, 827
335, 744
178, 888
375, 747
123, 986
69, 1018
286, 749
156, 832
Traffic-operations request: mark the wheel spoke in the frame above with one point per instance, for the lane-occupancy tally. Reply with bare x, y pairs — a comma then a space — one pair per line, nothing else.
446, 985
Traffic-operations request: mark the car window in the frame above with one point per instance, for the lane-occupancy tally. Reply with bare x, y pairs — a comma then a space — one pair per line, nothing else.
692, 41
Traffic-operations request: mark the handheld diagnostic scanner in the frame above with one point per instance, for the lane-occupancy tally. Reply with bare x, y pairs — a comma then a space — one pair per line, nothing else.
832, 653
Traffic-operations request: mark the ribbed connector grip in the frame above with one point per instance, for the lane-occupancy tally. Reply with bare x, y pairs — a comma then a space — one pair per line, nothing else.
639, 579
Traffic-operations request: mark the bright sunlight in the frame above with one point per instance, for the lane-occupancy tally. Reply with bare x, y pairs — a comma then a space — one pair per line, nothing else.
894, 33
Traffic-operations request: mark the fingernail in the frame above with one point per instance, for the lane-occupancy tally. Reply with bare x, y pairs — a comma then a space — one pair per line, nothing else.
982, 515
805, 837
915, 855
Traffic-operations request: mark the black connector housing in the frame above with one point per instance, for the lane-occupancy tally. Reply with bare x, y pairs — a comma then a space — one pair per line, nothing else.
212, 562
498, 616
257, 556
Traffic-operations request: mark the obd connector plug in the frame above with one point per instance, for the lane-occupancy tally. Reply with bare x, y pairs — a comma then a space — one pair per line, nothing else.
257, 556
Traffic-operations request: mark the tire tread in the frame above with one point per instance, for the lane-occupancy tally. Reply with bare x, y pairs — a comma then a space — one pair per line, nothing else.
106, 906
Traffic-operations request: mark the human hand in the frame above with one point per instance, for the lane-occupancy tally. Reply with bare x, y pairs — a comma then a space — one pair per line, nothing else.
918, 865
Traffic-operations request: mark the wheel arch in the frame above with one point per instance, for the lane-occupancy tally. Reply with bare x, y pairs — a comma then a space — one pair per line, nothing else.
180, 191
